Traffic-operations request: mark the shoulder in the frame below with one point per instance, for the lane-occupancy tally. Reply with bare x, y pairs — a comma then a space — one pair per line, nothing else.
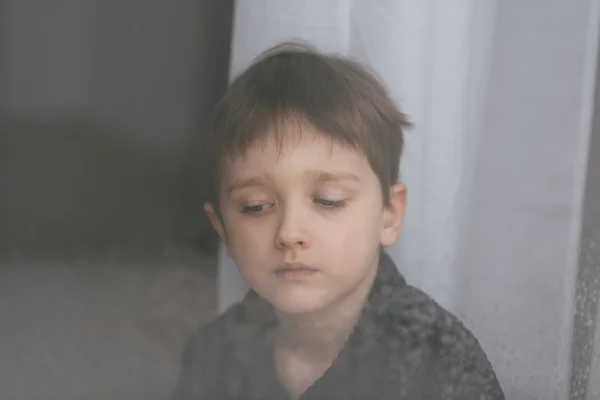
218, 356
223, 335
452, 353
206, 355
212, 337
416, 315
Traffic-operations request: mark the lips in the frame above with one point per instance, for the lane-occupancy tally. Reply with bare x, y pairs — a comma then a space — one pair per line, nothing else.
295, 271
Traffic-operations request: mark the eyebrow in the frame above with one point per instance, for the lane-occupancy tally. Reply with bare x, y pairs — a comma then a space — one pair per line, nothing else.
321, 176
255, 181
324, 176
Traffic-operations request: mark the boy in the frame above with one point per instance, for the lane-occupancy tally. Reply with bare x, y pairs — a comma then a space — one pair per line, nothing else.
304, 150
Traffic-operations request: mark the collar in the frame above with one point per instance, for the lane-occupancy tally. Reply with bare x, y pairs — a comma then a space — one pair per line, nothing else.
256, 317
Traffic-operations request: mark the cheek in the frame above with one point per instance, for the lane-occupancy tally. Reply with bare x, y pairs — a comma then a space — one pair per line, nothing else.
247, 240
353, 238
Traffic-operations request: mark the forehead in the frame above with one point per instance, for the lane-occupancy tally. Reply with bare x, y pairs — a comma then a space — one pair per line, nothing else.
309, 150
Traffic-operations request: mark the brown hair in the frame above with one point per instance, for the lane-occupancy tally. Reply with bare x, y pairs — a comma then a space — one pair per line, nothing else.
292, 83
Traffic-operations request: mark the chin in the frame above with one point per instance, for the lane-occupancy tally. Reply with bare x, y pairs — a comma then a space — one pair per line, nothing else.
289, 304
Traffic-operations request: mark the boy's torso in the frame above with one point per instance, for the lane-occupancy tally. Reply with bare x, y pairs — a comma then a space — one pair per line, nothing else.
404, 346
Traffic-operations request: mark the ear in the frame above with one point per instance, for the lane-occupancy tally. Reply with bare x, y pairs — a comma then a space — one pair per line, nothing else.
393, 215
216, 221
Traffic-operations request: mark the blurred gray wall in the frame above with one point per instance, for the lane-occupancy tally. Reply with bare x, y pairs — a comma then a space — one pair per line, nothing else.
43, 59
100, 102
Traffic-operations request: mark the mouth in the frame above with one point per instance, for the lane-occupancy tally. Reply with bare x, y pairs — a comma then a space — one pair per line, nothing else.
295, 271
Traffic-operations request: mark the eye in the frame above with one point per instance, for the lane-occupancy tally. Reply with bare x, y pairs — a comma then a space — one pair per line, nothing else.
255, 209
330, 203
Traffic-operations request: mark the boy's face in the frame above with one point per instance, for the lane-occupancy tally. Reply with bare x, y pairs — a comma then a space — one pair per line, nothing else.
304, 223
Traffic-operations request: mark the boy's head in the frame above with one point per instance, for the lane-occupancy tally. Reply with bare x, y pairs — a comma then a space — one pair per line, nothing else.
303, 153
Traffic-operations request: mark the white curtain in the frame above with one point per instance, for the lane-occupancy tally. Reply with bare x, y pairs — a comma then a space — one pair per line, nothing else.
501, 95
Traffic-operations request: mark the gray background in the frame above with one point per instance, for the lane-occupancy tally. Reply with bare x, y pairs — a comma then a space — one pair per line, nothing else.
106, 262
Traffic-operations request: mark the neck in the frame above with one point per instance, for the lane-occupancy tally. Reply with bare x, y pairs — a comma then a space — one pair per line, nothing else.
320, 335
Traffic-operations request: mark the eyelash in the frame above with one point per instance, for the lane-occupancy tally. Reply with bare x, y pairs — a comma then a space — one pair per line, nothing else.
249, 209
330, 205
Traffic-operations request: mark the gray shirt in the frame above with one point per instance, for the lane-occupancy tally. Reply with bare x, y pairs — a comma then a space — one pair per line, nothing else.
404, 346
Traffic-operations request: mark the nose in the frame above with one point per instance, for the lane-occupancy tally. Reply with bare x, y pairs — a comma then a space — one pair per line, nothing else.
292, 232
